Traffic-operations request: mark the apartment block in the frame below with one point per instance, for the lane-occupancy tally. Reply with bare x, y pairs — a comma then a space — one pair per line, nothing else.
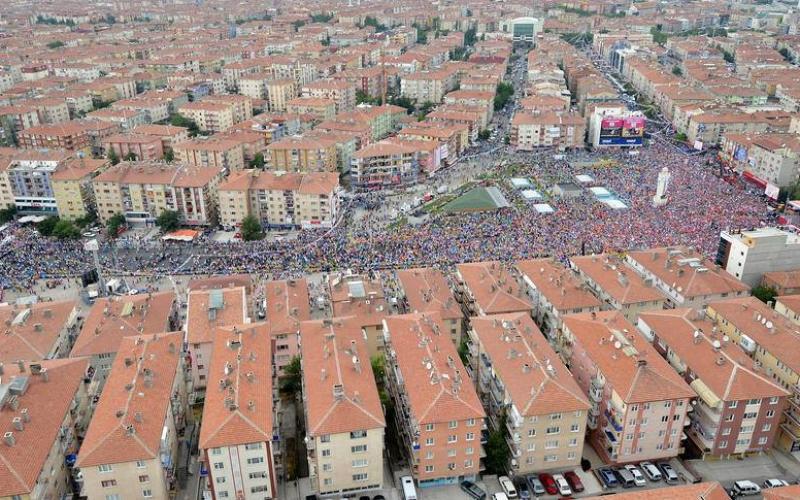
239, 435
211, 152
772, 341
280, 199
131, 446
209, 117
763, 159
527, 390
44, 330
439, 415
361, 300
141, 147
303, 154
342, 93
44, 409
70, 136
321, 108
784, 282
141, 191
287, 305
639, 403
555, 291
112, 319
616, 284
748, 254
739, 409
384, 165
686, 277
428, 86
344, 419
72, 186
489, 287
789, 307
279, 93
169, 135
549, 129
426, 290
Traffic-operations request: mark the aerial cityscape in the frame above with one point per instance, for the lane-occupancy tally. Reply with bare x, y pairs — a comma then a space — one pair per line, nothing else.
411, 250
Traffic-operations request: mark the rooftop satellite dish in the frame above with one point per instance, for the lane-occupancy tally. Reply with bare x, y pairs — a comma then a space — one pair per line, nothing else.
725, 338
618, 344
428, 366
769, 324
716, 344
763, 320
696, 334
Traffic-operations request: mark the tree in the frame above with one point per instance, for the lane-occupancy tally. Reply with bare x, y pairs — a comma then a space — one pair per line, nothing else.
178, 120
786, 55
371, 21
658, 36
131, 156
66, 230
322, 17
112, 156
251, 229
114, 224
7, 214
292, 381
168, 220
55, 44
297, 24
169, 156
497, 452
47, 226
676, 70
764, 293
729, 58
403, 102
257, 161
681, 137
484, 134
469, 37
504, 92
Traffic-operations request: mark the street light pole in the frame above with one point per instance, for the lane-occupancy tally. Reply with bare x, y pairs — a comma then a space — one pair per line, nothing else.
94, 247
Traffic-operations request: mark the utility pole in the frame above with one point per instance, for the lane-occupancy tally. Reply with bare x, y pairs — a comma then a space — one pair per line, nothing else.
94, 247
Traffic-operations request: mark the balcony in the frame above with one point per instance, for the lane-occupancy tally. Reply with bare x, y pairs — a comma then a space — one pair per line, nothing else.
516, 452
612, 421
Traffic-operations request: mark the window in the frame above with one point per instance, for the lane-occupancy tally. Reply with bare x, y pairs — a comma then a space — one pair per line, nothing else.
742, 441
575, 428
676, 417
222, 494
726, 431
578, 413
766, 427
147, 493
257, 489
326, 453
549, 445
358, 434
470, 436
429, 468
752, 414
452, 438
429, 427
723, 443
531, 433
327, 481
762, 440
452, 424
144, 479
754, 401
531, 446
219, 465
470, 422
110, 483
468, 464
361, 448
664, 418
221, 479
255, 460
553, 430
729, 417
140, 463
429, 455
469, 451
747, 428
325, 438
104, 468
112, 497
451, 452
555, 416
327, 467
733, 404
634, 407
429, 442
668, 404
361, 462
571, 455
573, 442
770, 413
252, 446
773, 400
550, 458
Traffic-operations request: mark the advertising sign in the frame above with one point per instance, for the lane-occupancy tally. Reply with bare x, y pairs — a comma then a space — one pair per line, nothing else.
633, 126
610, 127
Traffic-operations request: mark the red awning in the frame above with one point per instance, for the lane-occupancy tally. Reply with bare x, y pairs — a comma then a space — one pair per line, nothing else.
753, 179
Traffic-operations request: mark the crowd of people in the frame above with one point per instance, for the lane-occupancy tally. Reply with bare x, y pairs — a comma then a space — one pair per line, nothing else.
700, 206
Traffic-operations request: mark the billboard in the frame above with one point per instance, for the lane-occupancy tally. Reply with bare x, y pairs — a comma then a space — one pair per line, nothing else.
618, 131
610, 127
620, 141
633, 126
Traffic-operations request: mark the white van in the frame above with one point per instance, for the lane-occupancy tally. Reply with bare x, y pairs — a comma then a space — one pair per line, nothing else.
409, 491
746, 488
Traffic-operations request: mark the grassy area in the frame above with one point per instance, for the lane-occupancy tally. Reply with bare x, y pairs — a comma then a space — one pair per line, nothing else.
436, 204
397, 224
476, 199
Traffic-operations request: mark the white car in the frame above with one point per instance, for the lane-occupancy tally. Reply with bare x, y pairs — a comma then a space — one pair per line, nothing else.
508, 486
651, 471
638, 477
775, 483
562, 485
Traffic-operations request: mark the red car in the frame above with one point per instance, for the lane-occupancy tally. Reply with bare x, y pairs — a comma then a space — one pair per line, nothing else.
549, 483
574, 481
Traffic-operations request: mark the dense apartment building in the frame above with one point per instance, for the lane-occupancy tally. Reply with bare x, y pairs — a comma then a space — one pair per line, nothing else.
44, 330
168, 134
550, 129
638, 402
72, 186
131, 446
114, 318
614, 282
43, 410
239, 435
784, 282
206, 311
320, 108
361, 300
555, 291
768, 158
209, 116
343, 415
739, 409
525, 388
342, 93
29, 179
384, 165
302, 154
686, 277
287, 304
489, 287
789, 307
280, 199
211, 152
428, 86
138, 146
772, 341
426, 290
141, 191
439, 415
748, 254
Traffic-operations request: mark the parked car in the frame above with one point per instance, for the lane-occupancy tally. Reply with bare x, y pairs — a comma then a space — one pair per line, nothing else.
563, 485
499, 496
651, 471
744, 489
523, 490
549, 483
775, 483
536, 486
670, 475
508, 486
574, 481
608, 478
638, 477
473, 490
